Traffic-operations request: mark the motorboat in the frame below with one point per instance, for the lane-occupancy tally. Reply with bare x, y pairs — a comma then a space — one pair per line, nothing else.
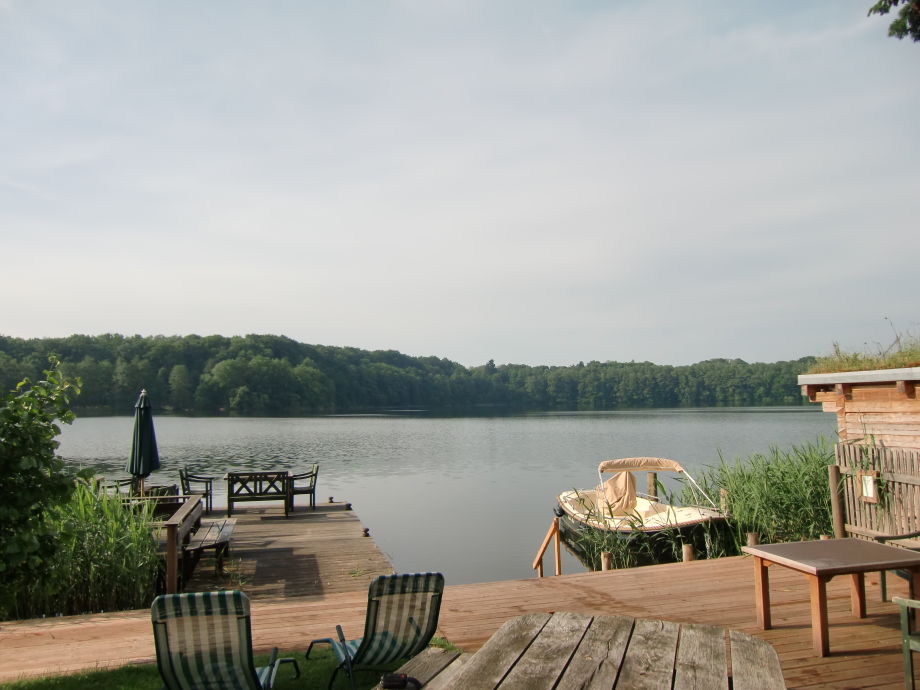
614, 506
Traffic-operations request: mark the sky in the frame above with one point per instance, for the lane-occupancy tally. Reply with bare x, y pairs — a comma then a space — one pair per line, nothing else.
527, 181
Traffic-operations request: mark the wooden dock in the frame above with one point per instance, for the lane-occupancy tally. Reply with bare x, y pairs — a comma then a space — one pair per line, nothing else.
864, 652
309, 553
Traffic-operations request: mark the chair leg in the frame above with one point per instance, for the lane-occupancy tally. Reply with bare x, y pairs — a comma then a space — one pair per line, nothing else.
884, 585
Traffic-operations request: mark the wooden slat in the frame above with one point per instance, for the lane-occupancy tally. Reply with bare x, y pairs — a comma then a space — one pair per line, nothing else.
487, 668
544, 661
601, 652
701, 660
650, 665
749, 653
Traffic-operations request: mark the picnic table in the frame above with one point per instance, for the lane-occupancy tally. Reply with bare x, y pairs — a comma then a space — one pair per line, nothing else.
572, 650
820, 561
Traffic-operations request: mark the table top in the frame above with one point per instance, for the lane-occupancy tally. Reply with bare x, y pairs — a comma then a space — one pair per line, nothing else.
572, 650
836, 556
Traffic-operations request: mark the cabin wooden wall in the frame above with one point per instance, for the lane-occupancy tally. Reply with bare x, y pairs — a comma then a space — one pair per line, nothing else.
881, 414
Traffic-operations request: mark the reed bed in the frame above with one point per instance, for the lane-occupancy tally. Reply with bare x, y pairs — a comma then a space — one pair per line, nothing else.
106, 558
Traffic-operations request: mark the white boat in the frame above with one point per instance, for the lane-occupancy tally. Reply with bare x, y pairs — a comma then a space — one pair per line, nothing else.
615, 505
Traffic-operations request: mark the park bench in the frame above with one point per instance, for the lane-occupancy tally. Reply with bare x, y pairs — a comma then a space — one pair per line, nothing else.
259, 486
187, 536
874, 496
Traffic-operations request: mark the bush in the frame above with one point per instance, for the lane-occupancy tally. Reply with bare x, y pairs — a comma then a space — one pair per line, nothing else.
32, 479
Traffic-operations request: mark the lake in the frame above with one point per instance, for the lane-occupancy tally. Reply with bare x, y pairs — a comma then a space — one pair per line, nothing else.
471, 497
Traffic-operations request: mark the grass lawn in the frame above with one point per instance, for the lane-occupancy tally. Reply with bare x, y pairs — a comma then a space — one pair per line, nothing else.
314, 673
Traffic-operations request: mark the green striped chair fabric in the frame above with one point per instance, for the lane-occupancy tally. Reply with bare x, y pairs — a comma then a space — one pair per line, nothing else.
204, 640
402, 617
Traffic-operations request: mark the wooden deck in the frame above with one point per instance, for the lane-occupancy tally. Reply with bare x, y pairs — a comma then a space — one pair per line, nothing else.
308, 553
864, 653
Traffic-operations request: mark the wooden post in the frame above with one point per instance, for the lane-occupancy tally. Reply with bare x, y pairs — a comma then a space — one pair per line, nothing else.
753, 539
723, 501
651, 484
558, 553
833, 478
688, 552
606, 560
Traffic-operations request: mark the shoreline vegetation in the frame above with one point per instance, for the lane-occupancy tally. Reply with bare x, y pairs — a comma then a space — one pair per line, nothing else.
275, 376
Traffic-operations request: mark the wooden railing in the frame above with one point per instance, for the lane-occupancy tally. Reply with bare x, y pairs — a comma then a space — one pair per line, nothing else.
538, 561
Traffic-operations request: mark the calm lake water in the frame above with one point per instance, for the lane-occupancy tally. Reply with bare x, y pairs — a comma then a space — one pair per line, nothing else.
470, 497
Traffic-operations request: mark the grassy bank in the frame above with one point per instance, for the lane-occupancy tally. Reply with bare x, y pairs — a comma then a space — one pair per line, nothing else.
314, 673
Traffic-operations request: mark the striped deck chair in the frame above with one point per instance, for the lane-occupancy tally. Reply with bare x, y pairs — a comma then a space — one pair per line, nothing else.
402, 617
204, 640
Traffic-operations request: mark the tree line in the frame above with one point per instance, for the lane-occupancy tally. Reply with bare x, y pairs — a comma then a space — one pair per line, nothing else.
266, 375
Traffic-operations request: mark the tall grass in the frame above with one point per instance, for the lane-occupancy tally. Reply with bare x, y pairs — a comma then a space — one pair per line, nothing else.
106, 558
903, 352
782, 496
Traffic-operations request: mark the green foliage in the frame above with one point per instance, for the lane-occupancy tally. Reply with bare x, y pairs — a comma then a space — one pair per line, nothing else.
32, 479
106, 558
907, 22
782, 496
262, 375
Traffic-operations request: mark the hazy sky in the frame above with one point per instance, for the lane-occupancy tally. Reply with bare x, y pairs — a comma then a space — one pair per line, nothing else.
534, 182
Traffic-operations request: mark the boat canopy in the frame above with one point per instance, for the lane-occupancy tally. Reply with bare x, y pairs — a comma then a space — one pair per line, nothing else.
640, 464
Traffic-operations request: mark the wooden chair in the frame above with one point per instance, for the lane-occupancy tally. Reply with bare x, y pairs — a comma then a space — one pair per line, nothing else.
187, 479
204, 640
402, 617
307, 488
911, 640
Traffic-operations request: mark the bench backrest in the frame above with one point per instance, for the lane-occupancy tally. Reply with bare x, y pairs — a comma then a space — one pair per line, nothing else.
245, 484
875, 491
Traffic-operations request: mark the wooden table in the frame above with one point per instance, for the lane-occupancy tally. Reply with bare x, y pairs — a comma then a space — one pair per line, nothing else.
820, 561
572, 650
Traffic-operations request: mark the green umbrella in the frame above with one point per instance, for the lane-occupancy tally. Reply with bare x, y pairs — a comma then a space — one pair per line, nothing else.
144, 455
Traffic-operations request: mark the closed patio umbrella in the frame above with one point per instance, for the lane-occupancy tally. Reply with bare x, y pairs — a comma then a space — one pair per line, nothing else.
144, 455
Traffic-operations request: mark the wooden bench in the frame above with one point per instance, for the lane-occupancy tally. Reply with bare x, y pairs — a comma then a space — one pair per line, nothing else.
874, 496
188, 535
259, 486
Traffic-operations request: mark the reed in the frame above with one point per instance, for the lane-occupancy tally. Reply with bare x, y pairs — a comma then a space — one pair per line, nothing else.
782, 496
106, 558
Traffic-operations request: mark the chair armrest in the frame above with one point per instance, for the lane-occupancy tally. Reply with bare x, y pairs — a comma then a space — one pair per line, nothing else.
892, 537
906, 603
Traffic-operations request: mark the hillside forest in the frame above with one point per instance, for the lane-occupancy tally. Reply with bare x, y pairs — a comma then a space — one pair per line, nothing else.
267, 375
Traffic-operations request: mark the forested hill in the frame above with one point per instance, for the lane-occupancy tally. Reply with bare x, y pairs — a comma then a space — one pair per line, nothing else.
264, 375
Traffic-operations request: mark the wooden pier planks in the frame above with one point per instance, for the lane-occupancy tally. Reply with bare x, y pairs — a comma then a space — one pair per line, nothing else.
311, 552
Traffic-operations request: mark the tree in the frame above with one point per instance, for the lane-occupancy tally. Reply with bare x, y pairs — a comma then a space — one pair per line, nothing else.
908, 20
32, 477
